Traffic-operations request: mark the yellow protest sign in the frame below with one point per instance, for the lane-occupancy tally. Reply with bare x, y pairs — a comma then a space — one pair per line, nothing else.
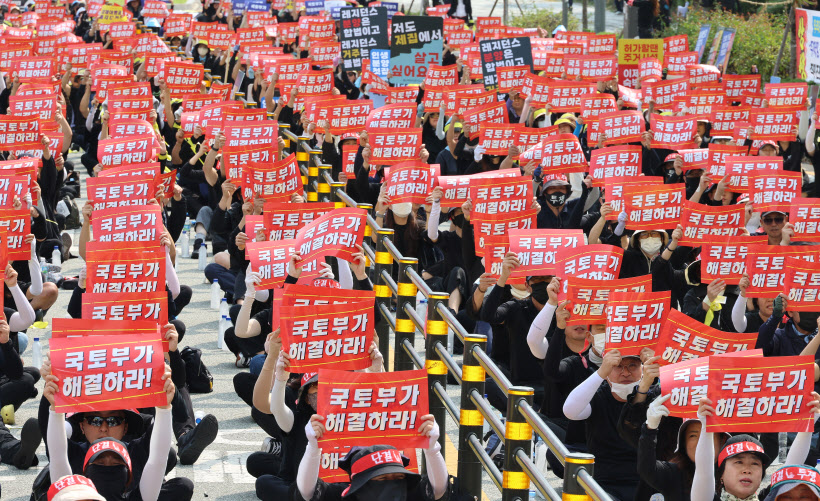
631, 51
110, 14
121, 3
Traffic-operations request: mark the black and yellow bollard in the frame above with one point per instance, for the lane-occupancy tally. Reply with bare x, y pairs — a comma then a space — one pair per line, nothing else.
337, 187
384, 262
324, 186
435, 331
572, 490
405, 328
286, 139
470, 421
517, 435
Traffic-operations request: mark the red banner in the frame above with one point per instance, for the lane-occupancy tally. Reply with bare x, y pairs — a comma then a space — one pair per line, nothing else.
17, 224
124, 269
596, 261
334, 234
107, 192
562, 154
751, 398
708, 223
683, 338
666, 93
565, 95
349, 152
766, 266
275, 182
270, 259
483, 115
99, 373
774, 190
392, 116
12, 185
493, 195
673, 133
537, 250
489, 225
348, 117
20, 132
389, 147
654, 207
735, 85
130, 306
364, 409
409, 182
774, 125
726, 259
787, 96
738, 168
496, 139
634, 320
283, 220
621, 127
311, 295
457, 188
589, 297
614, 161
129, 150
139, 225
802, 283
337, 336
804, 214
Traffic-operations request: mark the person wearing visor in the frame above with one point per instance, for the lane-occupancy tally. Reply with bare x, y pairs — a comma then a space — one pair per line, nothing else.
74, 488
376, 473
742, 463
562, 213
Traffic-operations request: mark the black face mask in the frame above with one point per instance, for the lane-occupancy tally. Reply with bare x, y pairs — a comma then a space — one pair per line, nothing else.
557, 199
691, 186
110, 481
539, 292
808, 321
459, 220
386, 490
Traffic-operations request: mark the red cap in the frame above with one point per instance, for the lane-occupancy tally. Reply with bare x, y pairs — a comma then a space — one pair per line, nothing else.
768, 142
738, 448
670, 157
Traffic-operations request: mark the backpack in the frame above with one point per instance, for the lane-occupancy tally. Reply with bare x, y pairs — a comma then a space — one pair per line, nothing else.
197, 375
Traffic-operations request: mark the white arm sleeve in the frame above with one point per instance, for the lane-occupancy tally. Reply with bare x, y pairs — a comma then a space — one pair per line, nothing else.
171, 275
36, 287
440, 127
345, 275
810, 146
58, 465
308, 471
703, 485
280, 411
577, 406
432, 222
436, 470
153, 473
537, 335
89, 121
739, 314
24, 316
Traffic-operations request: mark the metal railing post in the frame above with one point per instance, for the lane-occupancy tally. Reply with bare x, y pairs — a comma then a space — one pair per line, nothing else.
285, 138
324, 187
436, 332
517, 435
303, 159
313, 173
471, 422
384, 262
405, 328
574, 462
337, 187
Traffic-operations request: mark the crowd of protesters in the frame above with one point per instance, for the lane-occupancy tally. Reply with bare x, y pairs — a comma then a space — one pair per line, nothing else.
591, 396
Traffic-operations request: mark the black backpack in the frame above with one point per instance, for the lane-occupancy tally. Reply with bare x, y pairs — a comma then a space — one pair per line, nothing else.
198, 376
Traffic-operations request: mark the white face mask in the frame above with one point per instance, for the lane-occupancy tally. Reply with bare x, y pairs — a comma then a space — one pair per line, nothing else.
599, 342
519, 294
202, 51
622, 390
651, 245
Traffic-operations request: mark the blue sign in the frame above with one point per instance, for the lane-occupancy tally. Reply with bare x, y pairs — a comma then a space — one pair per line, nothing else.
703, 39
380, 62
333, 6
392, 8
258, 6
314, 7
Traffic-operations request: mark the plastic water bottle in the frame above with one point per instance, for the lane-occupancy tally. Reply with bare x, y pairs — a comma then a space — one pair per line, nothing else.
198, 415
43, 268
36, 353
185, 240
56, 258
203, 257
421, 309
220, 340
216, 294
224, 308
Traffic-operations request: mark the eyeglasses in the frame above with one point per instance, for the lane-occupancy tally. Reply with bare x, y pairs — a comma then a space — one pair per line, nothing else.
97, 421
629, 368
775, 220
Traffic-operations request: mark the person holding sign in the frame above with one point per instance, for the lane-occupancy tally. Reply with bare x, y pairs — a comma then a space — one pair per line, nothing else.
562, 213
376, 472
741, 464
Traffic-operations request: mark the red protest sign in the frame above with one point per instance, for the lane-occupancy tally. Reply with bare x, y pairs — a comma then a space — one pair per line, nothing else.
738, 168
804, 214
621, 127
707, 223
565, 95
348, 117
683, 338
409, 182
20, 132
537, 250
802, 285
489, 225
124, 270
392, 116
511, 77
561, 154
483, 115
277, 181
654, 207
349, 152
337, 336
334, 234
389, 147
673, 133
130, 306
101, 373
364, 409
457, 188
725, 258
589, 297
736, 85
311, 295
491, 195
774, 190
650, 70
270, 259
787, 96
724, 118
687, 381
591, 67
766, 266
17, 225
106, 192
676, 62
496, 139
772, 124
700, 75
614, 161
666, 93
614, 188
12, 185
751, 398
139, 225
284, 219
596, 261
634, 320
695, 159
130, 150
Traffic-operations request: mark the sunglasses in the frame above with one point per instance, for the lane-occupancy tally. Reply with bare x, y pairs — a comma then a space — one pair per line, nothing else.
97, 421
775, 220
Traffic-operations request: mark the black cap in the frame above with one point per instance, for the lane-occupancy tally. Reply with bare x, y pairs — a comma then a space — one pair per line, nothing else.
364, 463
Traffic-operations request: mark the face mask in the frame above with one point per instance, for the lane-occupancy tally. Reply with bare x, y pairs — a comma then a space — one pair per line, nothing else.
313, 400
595, 358
202, 51
691, 186
459, 221
110, 481
808, 321
358, 82
599, 342
651, 245
557, 199
386, 490
539, 292
622, 390
519, 294
250, 73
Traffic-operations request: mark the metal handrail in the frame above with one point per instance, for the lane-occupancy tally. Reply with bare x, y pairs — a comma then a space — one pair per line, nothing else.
493, 370
532, 472
592, 488
547, 435
487, 462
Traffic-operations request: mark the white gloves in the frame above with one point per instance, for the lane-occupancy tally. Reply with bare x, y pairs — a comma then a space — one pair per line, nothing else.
281, 373
326, 271
310, 433
656, 411
622, 217
478, 153
252, 279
